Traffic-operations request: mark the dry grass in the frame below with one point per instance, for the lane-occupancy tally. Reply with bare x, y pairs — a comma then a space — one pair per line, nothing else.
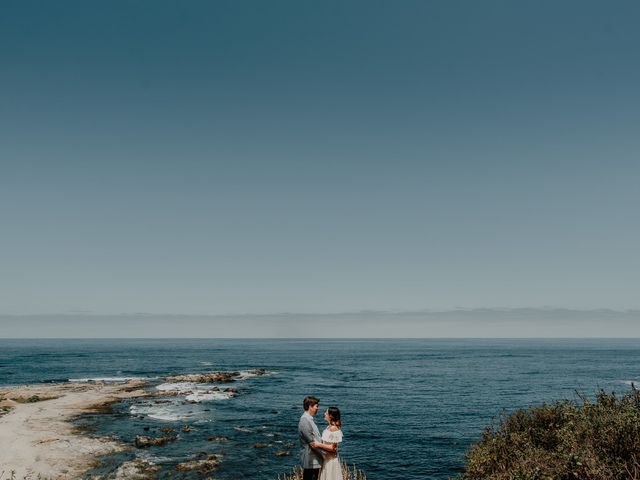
348, 473
4, 411
33, 399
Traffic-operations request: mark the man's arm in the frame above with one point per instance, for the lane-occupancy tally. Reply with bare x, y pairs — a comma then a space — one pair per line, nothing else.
309, 436
307, 433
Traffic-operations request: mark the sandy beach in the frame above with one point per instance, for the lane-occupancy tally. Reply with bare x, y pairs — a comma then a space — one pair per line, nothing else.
36, 438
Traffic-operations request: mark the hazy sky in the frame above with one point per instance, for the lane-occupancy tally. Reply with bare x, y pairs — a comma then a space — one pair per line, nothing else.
465, 323
216, 157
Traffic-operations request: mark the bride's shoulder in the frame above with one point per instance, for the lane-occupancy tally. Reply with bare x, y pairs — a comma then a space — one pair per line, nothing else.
333, 428
334, 434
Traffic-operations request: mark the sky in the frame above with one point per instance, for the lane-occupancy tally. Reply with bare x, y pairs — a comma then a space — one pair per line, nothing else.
229, 158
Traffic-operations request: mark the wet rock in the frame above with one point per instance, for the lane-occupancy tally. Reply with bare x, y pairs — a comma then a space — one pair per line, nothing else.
203, 466
186, 428
285, 444
213, 377
167, 430
165, 393
143, 441
103, 408
282, 453
137, 469
260, 445
82, 428
217, 438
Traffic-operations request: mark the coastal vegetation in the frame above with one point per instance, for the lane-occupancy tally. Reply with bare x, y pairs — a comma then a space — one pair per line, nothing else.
589, 439
348, 473
34, 398
8, 404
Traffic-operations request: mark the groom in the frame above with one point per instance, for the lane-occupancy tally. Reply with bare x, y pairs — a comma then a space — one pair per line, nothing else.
310, 458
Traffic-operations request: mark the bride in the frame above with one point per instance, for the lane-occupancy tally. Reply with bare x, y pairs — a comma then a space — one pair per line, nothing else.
331, 437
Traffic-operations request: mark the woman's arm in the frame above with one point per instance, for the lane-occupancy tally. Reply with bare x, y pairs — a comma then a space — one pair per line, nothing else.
329, 447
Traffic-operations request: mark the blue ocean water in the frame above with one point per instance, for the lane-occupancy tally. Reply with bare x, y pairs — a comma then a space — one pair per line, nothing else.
410, 408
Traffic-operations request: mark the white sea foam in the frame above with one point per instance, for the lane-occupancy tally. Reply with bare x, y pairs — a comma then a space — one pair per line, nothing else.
245, 374
202, 392
631, 382
208, 396
180, 387
169, 416
145, 455
208, 364
243, 429
164, 412
195, 392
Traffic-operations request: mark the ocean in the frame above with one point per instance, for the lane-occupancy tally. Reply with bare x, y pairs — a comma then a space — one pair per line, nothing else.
410, 408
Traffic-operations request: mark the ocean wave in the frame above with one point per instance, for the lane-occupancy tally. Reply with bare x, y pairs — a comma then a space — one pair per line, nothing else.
216, 377
206, 387
243, 429
169, 417
108, 379
196, 392
245, 374
208, 396
169, 413
180, 387
151, 458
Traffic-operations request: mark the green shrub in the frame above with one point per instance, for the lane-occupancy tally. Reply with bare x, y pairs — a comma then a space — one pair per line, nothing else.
566, 440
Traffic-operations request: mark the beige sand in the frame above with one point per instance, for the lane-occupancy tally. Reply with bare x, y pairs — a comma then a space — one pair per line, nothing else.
37, 439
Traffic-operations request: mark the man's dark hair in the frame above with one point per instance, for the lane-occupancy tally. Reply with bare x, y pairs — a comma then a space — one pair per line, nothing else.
310, 401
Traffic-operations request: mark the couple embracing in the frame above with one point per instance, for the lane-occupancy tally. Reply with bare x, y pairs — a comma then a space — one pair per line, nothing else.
319, 455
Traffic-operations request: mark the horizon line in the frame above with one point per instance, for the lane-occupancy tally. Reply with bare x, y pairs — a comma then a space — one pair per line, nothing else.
333, 313
323, 338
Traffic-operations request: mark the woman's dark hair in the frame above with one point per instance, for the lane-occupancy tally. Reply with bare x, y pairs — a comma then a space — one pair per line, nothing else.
334, 416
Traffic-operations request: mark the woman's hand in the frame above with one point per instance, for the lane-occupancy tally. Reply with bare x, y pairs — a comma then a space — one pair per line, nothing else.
332, 451
327, 447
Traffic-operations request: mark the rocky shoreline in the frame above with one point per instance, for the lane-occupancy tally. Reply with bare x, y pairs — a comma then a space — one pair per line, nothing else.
39, 441
37, 438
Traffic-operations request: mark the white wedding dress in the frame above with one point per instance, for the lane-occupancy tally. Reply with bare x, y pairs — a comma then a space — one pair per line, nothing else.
331, 468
